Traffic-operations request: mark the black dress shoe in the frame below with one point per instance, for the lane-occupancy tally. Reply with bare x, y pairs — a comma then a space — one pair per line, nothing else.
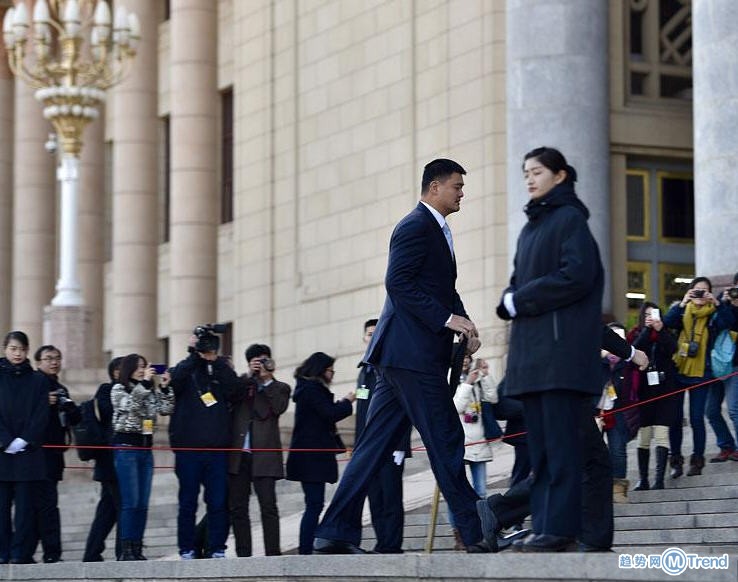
582, 547
505, 542
4, 560
52, 559
538, 543
490, 524
326, 546
482, 547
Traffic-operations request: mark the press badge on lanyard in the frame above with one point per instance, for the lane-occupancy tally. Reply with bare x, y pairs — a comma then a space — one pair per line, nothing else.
208, 399
148, 426
362, 393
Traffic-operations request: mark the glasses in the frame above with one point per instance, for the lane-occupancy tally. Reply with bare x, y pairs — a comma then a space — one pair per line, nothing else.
17, 349
51, 359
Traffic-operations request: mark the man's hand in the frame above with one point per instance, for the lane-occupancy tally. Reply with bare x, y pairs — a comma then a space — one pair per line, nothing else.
640, 359
462, 325
472, 345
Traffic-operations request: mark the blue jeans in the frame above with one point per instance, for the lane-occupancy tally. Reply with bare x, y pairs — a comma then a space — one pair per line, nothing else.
697, 404
714, 412
617, 442
210, 470
731, 397
314, 501
135, 469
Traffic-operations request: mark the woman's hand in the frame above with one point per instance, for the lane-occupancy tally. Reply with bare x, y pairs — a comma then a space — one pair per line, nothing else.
149, 373
656, 324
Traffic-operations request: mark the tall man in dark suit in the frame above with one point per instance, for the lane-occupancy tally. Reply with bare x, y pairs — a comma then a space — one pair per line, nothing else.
411, 351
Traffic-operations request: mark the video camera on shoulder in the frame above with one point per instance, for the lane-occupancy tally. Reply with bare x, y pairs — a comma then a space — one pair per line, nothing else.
207, 340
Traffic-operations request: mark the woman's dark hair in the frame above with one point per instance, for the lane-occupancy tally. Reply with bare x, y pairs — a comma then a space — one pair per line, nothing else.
701, 280
113, 366
554, 160
18, 336
314, 366
642, 312
128, 365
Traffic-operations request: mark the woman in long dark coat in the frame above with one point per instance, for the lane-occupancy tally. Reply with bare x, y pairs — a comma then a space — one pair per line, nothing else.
24, 411
652, 337
316, 415
555, 303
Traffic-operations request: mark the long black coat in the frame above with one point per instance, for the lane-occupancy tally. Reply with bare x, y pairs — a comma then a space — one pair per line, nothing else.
557, 288
24, 412
659, 347
316, 415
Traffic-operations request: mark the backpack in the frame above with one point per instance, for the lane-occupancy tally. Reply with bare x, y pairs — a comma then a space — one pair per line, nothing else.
89, 432
722, 353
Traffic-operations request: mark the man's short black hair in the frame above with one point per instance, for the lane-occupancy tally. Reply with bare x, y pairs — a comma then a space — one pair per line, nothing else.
439, 169
46, 348
370, 322
256, 350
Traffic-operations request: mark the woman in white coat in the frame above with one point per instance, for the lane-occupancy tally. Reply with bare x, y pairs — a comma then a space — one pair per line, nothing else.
477, 387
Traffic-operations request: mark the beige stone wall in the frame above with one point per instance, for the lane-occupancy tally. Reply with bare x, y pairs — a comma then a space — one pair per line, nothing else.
338, 107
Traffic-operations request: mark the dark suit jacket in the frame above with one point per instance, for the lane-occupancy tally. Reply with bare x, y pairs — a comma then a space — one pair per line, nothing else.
258, 413
421, 295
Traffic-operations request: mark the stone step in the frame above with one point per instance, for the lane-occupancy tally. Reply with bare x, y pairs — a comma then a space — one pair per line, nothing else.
438, 567
707, 480
711, 550
685, 494
670, 507
706, 535
708, 520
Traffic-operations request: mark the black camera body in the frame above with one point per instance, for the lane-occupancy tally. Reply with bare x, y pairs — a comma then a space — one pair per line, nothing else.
267, 364
698, 293
733, 292
207, 340
692, 349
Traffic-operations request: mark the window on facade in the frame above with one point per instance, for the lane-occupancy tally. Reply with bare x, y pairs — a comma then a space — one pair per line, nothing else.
108, 210
639, 289
674, 279
638, 215
226, 154
165, 165
677, 207
659, 48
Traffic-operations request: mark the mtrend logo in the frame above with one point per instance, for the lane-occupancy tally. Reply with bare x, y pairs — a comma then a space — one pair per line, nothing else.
674, 561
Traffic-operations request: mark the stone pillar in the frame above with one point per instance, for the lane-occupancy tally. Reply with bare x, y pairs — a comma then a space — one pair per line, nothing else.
558, 96
715, 104
194, 205
34, 217
92, 233
135, 210
6, 188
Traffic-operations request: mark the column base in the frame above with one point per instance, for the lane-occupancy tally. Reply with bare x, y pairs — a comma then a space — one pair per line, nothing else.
69, 328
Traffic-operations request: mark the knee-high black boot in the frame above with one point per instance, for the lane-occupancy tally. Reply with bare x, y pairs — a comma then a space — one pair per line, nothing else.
661, 455
643, 458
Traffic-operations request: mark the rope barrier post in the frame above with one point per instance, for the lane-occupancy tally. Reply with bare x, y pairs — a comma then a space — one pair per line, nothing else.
433, 520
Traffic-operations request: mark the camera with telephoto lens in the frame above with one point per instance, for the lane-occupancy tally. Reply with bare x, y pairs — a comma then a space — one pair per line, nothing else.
62, 400
207, 341
267, 364
733, 292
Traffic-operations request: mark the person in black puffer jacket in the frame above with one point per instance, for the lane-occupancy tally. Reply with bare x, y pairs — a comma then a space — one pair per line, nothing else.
555, 303
24, 414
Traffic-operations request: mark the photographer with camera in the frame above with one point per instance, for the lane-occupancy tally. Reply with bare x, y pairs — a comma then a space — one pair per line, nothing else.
256, 426
651, 336
692, 318
204, 385
63, 413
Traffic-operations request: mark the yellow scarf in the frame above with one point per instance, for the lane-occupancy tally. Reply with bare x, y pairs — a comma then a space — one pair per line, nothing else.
694, 322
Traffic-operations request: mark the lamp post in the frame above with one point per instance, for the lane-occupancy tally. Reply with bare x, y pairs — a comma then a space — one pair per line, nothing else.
67, 53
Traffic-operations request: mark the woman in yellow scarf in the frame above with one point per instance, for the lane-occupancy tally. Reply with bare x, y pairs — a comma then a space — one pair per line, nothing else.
691, 318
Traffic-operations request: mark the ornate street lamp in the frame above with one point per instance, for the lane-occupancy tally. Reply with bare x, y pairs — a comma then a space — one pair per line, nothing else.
68, 54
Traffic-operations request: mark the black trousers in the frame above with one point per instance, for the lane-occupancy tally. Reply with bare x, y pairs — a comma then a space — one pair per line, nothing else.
401, 398
48, 522
106, 516
19, 544
386, 507
596, 528
239, 493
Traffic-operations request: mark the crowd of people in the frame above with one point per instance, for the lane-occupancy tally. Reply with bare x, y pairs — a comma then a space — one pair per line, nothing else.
559, 395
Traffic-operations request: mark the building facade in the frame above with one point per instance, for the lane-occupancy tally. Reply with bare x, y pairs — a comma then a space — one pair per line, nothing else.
251, 167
